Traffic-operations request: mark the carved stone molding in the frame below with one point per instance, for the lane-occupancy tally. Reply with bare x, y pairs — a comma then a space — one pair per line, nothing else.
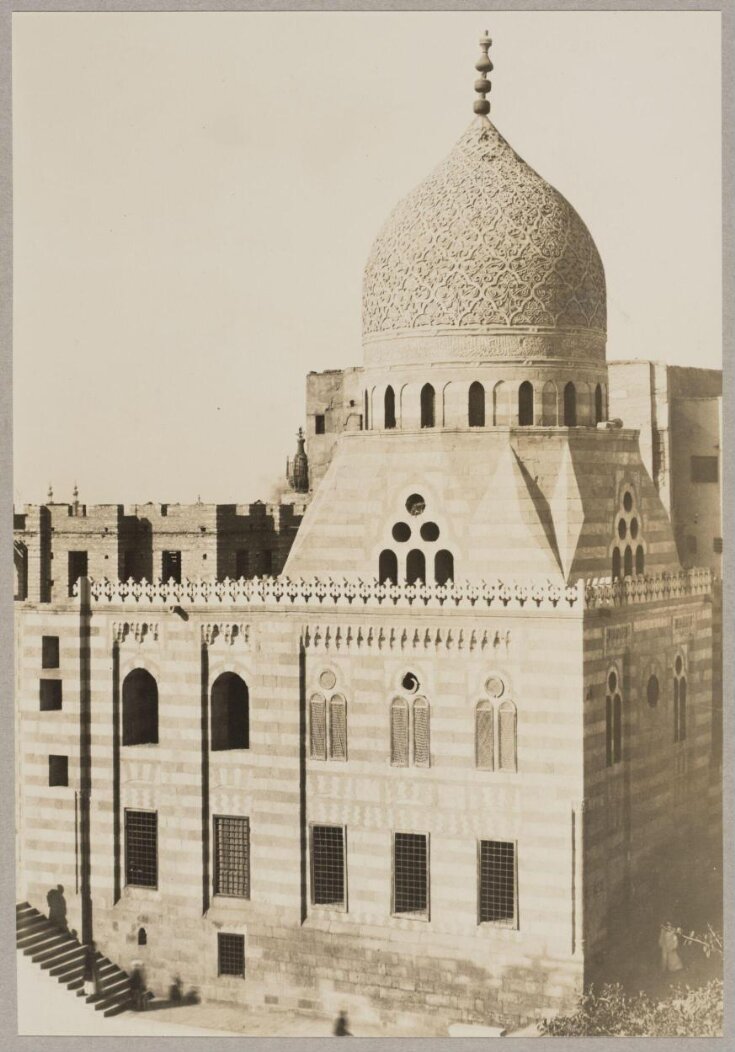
137, 630
227, 631
351, 638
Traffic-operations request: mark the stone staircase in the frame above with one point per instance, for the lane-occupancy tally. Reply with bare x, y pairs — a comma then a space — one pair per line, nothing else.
62, 955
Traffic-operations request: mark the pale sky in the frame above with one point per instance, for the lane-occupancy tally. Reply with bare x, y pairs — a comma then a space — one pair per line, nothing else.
195, 196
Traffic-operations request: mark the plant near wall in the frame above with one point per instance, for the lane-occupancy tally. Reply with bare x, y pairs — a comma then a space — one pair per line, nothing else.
686, 1012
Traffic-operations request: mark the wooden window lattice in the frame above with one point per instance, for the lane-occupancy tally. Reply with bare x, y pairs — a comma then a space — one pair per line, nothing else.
399, 733
318, 721
338, 728
232, 856
484, 736
421, 750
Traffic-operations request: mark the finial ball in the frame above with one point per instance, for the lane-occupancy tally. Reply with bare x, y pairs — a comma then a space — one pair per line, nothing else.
482, 107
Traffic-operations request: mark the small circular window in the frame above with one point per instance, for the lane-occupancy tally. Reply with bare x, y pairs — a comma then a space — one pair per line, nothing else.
622, 529
612, 681
628, 501
430, 531
410, 683
679, 665
401, 531
494, 686
415, 505
327, 679
652, 691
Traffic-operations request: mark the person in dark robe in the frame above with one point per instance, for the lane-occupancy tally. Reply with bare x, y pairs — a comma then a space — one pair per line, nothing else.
341, 1028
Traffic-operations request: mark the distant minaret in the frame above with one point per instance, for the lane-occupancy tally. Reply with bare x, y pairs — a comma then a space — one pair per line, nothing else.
482, 84
75, 494
299, 474
50, 494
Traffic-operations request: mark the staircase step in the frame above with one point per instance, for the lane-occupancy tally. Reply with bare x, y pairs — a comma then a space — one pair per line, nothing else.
109, 1001
68, 957
48, 942
30, 925
118, 1009
66, 968
41, 932
55, 954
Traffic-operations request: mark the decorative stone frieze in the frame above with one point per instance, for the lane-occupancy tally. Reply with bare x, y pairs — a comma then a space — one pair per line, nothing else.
140, 631
399, 638
227, 631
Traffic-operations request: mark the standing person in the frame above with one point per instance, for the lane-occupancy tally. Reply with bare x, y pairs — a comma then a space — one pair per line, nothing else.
137, 986
340, 1027
668, 942
91, 971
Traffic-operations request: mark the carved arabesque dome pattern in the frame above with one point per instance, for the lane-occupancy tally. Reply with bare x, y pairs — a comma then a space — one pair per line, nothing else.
483, 242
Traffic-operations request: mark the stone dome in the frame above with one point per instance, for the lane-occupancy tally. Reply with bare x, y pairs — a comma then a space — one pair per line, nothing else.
484, 246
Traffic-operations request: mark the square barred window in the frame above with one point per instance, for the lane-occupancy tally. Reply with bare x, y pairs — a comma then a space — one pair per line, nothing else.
141, 848
327, 866
50, 693
497, 883
232, 856
58, 770
411, 874
230, 954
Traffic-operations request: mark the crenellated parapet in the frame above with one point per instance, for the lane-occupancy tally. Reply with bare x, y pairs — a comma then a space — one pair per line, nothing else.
331, 592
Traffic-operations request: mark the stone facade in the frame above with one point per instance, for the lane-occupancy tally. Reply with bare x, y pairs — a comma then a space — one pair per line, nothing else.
471, 664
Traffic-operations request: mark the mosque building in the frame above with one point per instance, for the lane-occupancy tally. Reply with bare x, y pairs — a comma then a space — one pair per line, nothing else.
419, 737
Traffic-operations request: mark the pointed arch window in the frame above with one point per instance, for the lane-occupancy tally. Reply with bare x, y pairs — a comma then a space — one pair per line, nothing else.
428, 406
507, 736
230, 713
443, 567
139, 708
388, 567
640, 560
337, 728
616, 564
525, 404
613, 720
485, 736
416, 567
389, 408
628, 562
680, 700
399, 732
570, 405
421, 753
598, 404
476, 405
318, 727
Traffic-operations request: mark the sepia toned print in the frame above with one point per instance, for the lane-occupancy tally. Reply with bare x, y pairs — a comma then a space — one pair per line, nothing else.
432, 743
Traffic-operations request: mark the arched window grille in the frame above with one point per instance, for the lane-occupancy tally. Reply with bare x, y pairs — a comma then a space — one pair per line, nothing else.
421, 753
388, 567
443, 566
616, 564
389, 407
507, 736
484, 736
640, 561
416, 567
570, 405
139, 708
525, 404
613, 720
549, 409
337, 728
399, 732
428, 400
628, 562
598, 404
230, 713
476, 405
318, 727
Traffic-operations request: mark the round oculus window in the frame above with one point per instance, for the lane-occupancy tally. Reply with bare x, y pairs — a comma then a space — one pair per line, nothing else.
401, 531
327, 679
410, 683
679, 665
415, 505
494, 686
612, 681
430, 531
628, 501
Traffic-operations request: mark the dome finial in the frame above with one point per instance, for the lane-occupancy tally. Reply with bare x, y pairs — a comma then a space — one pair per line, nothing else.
482, 84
